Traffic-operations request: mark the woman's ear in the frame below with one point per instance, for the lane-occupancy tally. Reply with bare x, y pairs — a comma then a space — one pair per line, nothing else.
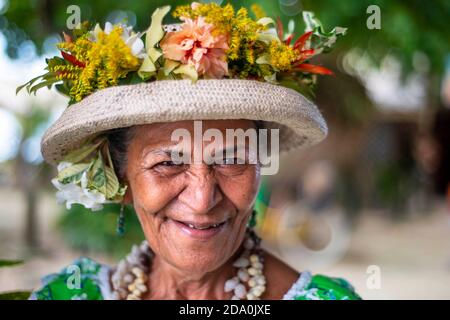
128, 197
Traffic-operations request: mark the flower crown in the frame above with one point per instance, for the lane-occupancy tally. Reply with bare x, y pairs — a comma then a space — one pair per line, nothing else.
211, 42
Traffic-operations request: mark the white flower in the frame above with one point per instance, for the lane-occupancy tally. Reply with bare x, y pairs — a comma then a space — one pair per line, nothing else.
63, 165
73, 193
132, 39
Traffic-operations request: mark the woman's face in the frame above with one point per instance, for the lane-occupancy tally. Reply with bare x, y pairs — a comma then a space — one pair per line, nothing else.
193, 215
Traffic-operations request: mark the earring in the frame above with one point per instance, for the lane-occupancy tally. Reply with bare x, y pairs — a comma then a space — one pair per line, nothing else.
251, 231
121, 221
252, 221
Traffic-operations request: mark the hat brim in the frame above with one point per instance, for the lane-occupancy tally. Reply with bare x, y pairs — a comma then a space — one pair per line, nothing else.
300, 122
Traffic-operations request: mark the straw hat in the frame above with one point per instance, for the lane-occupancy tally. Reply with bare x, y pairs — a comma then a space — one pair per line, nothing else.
298, 119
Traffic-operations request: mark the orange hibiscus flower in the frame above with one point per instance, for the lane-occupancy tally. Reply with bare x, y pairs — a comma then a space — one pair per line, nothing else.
196, 45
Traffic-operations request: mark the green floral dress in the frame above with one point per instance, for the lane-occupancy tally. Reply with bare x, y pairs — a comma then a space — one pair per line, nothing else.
86, 279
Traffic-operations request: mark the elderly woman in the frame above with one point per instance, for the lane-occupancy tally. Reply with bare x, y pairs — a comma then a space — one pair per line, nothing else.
194, 196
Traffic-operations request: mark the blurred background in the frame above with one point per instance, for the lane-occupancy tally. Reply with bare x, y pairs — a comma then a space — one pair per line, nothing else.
373, 200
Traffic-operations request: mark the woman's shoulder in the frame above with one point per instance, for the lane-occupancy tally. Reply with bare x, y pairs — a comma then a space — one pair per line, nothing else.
83, 279
321, 287
286, 282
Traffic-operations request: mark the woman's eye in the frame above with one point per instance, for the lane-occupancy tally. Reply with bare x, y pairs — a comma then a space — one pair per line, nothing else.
168, 164
169, 167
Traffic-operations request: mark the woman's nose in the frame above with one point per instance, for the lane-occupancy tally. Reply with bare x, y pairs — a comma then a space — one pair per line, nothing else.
202, 192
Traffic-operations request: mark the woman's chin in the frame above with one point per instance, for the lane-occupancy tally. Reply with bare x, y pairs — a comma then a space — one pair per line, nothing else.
197, 250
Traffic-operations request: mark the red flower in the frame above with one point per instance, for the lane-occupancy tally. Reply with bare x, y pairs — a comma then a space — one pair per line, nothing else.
304, 54
72, 59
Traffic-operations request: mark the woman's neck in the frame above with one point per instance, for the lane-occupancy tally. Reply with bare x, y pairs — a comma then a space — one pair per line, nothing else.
167, 282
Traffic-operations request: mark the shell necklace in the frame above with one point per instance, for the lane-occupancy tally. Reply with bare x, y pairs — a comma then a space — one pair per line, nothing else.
129, 279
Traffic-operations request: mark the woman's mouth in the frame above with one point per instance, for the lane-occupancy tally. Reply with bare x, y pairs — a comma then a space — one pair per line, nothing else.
200, 231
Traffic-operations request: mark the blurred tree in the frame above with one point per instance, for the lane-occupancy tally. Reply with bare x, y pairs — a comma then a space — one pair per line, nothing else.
406, 26
28, 174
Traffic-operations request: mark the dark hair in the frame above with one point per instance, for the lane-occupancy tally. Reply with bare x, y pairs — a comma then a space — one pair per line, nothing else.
118, 141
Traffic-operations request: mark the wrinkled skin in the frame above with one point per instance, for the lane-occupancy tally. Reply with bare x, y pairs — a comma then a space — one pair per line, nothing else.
165, 194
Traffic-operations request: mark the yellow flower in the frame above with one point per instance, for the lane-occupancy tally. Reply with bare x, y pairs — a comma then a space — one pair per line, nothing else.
100, 63
281, 56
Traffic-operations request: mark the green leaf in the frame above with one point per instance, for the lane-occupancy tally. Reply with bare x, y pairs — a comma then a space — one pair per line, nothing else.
155, 32
154, 54
72, 173
311, 22
112, 183
266, 21
98, 176
187, 71
263, 59
62, 88
147, 69
121, 191
55, 61
321, 41
10, 263
83, 152
29, 83
47, 83
169, 66
268, 36
131, 78
17, 295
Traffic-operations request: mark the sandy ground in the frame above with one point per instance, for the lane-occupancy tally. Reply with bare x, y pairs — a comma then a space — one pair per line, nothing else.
413, 256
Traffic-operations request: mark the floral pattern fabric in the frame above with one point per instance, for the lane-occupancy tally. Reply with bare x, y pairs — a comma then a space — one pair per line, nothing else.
86, 279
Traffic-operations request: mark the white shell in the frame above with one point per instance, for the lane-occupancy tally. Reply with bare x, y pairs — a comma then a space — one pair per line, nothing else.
254, 258
135, 250
132, 260
250, 296
231, 284
261, 280
137, 293
137, 272
141, 287
240, 291
128, 278
132, 287
241, 263
257, 291
115, 296
243, 275
121, 267
252, 271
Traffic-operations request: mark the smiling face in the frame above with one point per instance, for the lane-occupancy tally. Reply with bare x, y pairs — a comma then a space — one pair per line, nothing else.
193, 215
